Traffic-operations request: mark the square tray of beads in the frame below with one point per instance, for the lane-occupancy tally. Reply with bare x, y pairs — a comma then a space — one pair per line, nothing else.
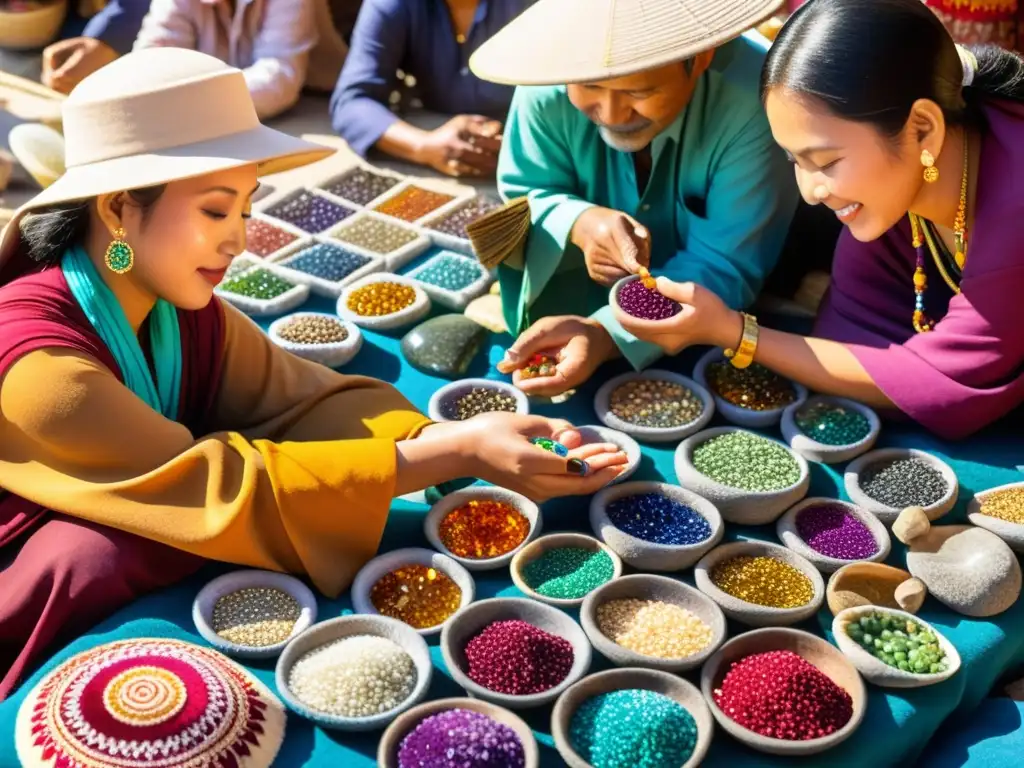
1001, 511
655, 526
327, 266
888, 480
760, 584
482, 527
514, 652
632, 717
467, 398
895, 636
751, 397
830, 430
750, 478
261, 291
241, 263
376, 235
447, 228
383, 302
832, 533
654, 406
317, 336
306, 210
452, 280
561, 569
253, 614
418, 586
415, 200
360, 186
354, 673
266, 238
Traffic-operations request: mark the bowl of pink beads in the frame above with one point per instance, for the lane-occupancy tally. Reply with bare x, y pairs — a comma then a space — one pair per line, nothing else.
636, 302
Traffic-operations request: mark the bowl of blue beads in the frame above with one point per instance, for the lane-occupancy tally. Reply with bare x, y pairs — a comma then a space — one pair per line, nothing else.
655, 526
327, 267
563, 568
452, 279
830, 430
632, 717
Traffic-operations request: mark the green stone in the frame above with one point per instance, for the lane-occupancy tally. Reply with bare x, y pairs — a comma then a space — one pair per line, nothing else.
257, 284
119, 256
443, 346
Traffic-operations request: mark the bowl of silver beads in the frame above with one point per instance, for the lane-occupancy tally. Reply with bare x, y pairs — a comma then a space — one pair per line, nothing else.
654, 406
467, 398
317, 336
887, 481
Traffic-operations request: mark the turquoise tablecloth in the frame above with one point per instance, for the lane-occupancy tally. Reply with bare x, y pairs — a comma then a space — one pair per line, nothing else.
896, 729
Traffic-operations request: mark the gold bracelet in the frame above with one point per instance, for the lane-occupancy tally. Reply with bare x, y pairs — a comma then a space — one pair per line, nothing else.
743, 355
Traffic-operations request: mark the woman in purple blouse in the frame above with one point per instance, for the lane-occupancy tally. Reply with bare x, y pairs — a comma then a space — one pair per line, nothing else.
918, 147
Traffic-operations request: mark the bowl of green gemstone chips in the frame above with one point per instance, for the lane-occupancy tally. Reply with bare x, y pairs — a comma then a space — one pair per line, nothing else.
830, 430
894, 649
261, 291
1001, 511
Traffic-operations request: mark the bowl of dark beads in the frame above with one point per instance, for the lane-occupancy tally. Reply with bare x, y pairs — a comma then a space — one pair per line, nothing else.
514, 652
633, 298
752, 397
654, 406
317, 336
467, 398
309, 211
655, 526
454, 222
830, 430
359, 185
832, 533
887, 481
563, 568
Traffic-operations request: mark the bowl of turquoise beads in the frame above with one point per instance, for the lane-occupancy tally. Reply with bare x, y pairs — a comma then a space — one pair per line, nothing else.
561, 569
452, 279
830, 430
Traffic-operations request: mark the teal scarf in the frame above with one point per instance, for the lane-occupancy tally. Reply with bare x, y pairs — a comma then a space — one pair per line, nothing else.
105, 314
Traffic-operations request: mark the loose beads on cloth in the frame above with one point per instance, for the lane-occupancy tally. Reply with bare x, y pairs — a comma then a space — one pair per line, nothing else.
754, 387
482, 529
359, 185
1006, 505
381, 298
478, 400
568, 573
831, 530
461, 738
633, 729
256, 616
655, 403
654, 628
450, 271
746, 461
310, 329
358, 676
659, 519
455, 222
517, 658
257, 284
263, 238
904, 483
413, 203
638, 300
326, 261
420, 596
310, 213
898, 642
763, 581
832, 424
375, 235
783, 696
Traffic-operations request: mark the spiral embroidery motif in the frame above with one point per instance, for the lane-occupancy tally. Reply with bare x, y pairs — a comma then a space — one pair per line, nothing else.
144, 696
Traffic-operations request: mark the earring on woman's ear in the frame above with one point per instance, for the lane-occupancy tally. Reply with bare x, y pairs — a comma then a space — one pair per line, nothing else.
931, 173
120, 257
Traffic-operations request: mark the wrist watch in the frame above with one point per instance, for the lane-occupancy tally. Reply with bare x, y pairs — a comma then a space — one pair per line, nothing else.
743, 355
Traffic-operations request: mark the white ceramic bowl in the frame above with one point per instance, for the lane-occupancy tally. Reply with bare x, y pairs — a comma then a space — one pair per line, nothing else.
416, 311
602, 405
788, 534
1011, 533
885, 513
558, 541
811, 449
332, 355
285, 302
743, 417
458, 300
593, 433
454, 390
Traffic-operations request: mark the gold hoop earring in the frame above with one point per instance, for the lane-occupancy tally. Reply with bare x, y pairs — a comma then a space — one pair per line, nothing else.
120, 257
931, 173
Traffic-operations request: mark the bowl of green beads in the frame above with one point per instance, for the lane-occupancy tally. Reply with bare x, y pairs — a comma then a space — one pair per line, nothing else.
563, 568
752, 397
894, 649
830, 430
1001, 511
261, 291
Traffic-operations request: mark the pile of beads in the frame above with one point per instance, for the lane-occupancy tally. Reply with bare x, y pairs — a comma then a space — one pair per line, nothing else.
309, 212
1007, 504
518, 659
633, 727
655, 403
568, 573
450, 272
659, 519
359, 185
420, 596
550, 445
326, 261
381, 298
783, 696
746, 461
257, 284
413, 203
255, 616
636, 299
478, 400
455, 222
831, 530
654, 628
904, 483
263, 238
538, 365
356, 676
313, 329
754, 387
832, 424
482, 528
460, 738
901, 643
375, 235
763, 581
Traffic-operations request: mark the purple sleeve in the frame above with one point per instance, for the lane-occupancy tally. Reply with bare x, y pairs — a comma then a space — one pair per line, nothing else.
118, 23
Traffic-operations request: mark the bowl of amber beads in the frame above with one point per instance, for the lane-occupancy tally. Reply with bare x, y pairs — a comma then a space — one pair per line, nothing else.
1001, 511
418, 586
752, 397
383, 302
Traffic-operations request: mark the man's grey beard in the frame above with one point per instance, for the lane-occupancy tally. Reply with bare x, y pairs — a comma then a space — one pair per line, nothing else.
632, 141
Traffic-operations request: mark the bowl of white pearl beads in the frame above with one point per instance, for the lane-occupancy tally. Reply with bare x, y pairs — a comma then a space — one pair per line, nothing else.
354, 673
253, 608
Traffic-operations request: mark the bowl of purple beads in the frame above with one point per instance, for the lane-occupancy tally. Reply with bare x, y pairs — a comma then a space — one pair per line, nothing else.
638, 306
832, 533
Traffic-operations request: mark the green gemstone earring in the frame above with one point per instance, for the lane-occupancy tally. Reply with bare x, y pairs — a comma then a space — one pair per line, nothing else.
120, 257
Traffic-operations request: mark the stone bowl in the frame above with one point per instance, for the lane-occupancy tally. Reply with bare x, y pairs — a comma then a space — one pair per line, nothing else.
750, 613
877, 671
788, 534
415, 312
811, 449
556, 541
391, 741
202, 609
823, 655
602, 405
643, 586
647, 555
735, 504
593, 433
349, 626
456, 389
333, 355
381, 565
742, 417
686, 694
638, 326
437, 513
1011, 533
885, 513
884, 578
468, 622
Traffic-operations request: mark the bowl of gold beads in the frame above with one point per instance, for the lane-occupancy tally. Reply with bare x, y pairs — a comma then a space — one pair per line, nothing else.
1001, 511
417, 586
752, 397
383, 302
466, 398
830, 430
317, 336
253, 614
654, 406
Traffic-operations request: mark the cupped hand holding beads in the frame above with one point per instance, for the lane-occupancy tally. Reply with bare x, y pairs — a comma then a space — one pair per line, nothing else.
704, 319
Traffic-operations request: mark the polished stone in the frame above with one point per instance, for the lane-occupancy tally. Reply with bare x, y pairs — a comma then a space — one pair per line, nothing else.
443, 346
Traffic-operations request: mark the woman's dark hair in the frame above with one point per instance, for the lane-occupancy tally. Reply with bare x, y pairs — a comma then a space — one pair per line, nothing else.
47, 234
870, 60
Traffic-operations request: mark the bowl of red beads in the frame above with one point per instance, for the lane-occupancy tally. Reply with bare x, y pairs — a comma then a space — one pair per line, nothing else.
784, 692
832, 533
514, 652
636, 302
482, 527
